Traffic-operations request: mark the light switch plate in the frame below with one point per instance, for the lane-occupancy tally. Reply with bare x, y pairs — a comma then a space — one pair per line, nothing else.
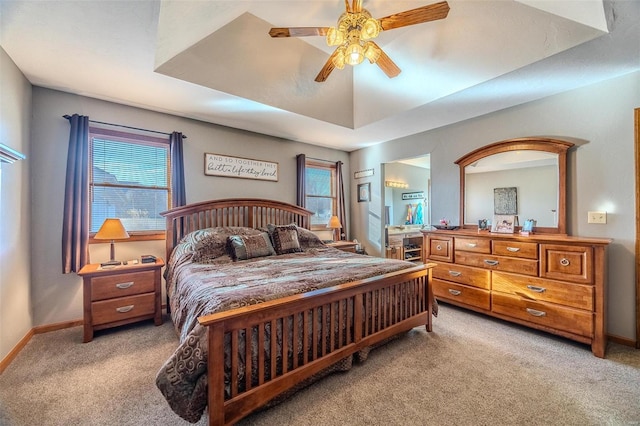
597, 217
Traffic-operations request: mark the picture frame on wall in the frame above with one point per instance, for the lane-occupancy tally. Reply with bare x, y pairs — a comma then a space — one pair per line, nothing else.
504, 224
364, 192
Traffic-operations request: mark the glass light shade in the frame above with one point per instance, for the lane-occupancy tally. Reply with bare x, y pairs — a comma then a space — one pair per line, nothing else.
111, 229
338, 59
335, 36
371, 52
354, 54
370, 29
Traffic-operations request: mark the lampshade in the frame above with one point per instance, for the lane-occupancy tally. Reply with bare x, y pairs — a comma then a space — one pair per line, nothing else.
334, 223
111, 229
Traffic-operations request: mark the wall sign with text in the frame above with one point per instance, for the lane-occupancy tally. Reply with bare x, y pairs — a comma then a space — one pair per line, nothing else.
246, 168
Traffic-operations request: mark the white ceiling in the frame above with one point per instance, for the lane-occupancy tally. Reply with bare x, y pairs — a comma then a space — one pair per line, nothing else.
214, 61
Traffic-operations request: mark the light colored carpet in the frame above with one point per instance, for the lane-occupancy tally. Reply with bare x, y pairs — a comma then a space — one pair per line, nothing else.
472, 370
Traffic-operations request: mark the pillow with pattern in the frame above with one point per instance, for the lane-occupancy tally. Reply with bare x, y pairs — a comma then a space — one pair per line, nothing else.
285, 238
213, 244
309, 240
249, 246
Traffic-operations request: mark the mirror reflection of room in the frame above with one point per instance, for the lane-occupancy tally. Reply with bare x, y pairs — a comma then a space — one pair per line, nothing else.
406, 207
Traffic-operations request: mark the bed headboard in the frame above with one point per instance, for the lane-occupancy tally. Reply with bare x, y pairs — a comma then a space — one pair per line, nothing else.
248, 212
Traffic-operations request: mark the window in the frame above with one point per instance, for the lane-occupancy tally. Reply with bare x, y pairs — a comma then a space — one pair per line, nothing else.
320, 189
129, 179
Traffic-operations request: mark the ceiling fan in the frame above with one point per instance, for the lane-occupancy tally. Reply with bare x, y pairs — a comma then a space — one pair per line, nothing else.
355, 32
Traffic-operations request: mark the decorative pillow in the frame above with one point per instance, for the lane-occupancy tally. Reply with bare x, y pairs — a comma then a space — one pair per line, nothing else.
284, 238
308, 239
250, 246
213, 243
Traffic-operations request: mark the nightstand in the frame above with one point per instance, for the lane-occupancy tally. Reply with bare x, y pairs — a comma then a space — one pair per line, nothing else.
120, 295
349, 246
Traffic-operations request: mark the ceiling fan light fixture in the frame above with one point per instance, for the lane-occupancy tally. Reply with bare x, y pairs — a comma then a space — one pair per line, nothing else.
339, 58
370, 29
335, 36
371, 52
354, 54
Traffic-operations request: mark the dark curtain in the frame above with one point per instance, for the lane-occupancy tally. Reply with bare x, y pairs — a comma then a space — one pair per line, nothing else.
75, 220
341, 207
178, 192
301, 198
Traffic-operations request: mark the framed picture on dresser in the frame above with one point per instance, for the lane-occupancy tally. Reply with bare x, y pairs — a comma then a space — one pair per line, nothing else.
504, 224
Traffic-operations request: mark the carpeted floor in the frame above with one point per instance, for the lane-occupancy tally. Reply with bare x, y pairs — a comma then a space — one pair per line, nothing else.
472, 370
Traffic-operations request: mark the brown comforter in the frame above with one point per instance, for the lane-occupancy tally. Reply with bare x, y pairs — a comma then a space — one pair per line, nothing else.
197, 289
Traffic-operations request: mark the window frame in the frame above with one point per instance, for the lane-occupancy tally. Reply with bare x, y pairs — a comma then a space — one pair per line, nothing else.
132, 138
334, 188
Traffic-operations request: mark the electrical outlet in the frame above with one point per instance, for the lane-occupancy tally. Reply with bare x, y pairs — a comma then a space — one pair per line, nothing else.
597, 217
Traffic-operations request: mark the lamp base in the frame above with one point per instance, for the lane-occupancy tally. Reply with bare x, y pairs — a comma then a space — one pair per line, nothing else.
111, 263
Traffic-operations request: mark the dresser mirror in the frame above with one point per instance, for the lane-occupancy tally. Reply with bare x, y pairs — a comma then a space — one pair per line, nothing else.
523, 177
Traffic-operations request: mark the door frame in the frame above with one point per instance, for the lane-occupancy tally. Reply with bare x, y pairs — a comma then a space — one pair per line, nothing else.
637, 166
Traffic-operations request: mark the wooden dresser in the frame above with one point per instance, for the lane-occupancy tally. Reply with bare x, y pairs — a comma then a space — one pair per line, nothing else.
121, 295
549, 282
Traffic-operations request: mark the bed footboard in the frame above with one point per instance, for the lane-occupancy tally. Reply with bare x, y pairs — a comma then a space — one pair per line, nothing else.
283, 342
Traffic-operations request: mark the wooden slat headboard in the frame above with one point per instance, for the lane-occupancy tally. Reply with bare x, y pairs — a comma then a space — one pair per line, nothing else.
247, 212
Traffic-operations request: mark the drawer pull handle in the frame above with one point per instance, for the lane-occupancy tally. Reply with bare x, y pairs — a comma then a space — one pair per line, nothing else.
472, 245
123, 286
124, 309
536, 313
513, 249
455, 292
491, 262
438, 247
536, 288
564, 261
455, 273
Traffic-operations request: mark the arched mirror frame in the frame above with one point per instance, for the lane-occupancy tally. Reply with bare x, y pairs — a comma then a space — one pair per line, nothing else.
555, 146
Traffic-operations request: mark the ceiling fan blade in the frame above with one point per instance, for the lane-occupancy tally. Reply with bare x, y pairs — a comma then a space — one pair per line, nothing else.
387, 65
327, 68
347, 6
431, 12
298, 31
357, 6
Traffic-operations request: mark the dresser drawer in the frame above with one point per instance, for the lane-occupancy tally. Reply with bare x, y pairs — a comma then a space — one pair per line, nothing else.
462, 294
110, 286
440, 248
498, 263
567, 319
122, 308
515, 249
475, 277
575, 295
476, 245
567, 263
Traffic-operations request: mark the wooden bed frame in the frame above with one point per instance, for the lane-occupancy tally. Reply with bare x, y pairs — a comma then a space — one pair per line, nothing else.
408, 303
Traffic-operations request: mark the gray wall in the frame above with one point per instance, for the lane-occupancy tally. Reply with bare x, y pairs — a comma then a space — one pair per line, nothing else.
600, 172
57, 297
15, 292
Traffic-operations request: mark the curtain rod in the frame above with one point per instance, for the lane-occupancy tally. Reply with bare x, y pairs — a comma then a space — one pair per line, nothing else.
320, 159
126, 127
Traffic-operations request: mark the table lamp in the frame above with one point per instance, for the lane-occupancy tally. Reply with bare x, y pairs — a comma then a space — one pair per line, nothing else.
111, 229
334, 223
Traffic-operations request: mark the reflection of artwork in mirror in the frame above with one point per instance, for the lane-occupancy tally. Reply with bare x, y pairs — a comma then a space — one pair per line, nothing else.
364, 192
503, 223
505, 201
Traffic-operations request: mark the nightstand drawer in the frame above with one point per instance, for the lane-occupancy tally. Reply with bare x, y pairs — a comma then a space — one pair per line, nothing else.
123, 308
120, 285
